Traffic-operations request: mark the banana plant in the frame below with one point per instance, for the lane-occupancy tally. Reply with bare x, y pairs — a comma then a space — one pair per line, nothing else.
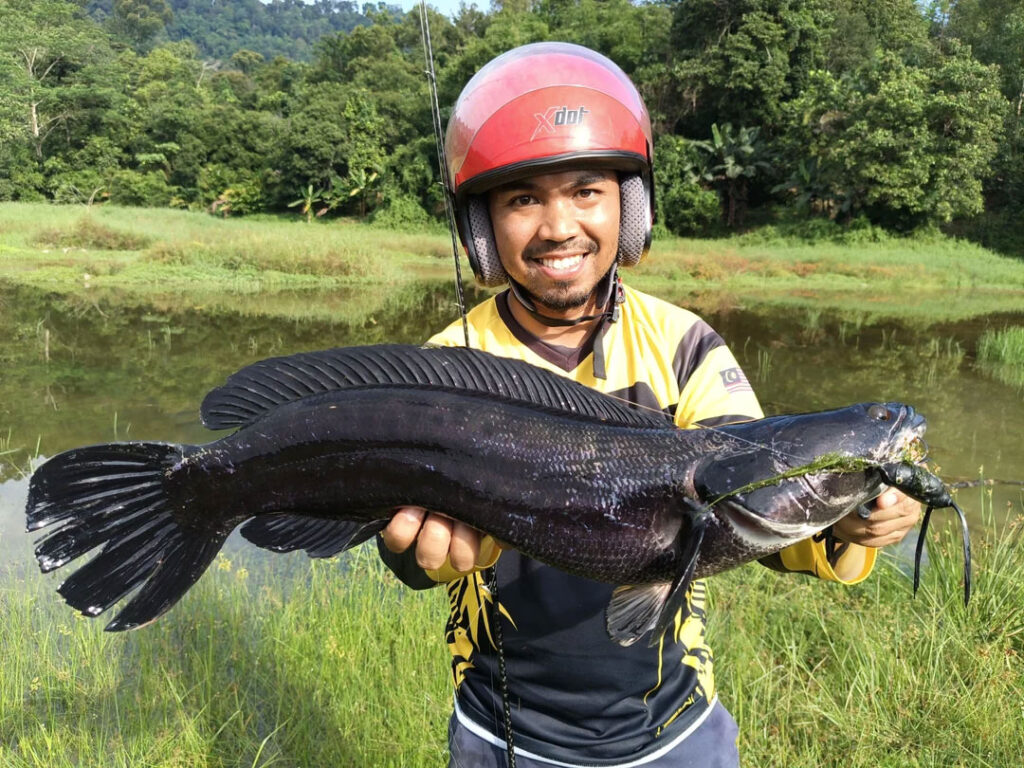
307, 201
735, 156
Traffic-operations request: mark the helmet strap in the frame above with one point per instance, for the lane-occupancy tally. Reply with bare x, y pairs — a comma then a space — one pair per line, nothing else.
610, 295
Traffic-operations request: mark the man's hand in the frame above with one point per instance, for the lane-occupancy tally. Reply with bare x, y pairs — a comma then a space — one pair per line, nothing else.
892, 516
437, 538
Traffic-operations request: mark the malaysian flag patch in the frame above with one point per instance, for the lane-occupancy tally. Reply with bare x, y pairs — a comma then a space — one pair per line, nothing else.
735, 381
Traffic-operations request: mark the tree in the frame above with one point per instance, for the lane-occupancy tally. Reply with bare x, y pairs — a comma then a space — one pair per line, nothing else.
736, 155
905, 144
53, 59
995, 31
740, 60
140, 20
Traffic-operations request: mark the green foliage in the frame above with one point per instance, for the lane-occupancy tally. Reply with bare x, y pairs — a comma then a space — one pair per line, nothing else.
401, 212
904, 114
906, 144
140, 20
1001, 354
684, 206
144, 188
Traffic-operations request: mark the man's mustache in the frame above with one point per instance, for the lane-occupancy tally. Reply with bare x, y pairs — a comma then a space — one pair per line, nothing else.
577, 244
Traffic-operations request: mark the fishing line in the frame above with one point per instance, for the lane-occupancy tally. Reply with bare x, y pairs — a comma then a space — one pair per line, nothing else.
442, 161
722, 432
449, 209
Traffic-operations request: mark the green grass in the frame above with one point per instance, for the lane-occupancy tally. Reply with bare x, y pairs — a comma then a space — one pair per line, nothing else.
302, 664
153, 253
146, 250
1001, 354
821, 675
927, 277
323, 663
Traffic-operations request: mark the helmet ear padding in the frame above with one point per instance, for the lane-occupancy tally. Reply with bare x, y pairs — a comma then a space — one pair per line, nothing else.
634, 230
634, 219
480, 245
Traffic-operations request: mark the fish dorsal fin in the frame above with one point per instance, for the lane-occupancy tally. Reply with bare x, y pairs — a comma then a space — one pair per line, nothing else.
258, 388
635, 610
320, 537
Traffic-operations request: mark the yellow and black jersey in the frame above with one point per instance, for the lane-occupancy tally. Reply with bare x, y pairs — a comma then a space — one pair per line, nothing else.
576, 694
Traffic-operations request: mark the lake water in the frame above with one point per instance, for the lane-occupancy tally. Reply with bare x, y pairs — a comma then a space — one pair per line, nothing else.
80, 371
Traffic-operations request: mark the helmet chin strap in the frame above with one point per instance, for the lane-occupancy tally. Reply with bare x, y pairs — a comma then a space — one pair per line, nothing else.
609, 295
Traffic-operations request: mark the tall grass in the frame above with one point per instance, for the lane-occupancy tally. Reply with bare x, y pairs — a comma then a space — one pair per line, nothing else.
302, 664
159, 249
1001, 354
821, 675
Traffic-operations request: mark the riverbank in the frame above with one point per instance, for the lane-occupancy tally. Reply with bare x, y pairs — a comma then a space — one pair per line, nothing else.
157, 253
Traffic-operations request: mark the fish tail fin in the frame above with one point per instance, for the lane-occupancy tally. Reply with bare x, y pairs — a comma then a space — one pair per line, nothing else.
117, 496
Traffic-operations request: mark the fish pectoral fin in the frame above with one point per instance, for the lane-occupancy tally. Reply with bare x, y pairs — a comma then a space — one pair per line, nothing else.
635, 610
690, 538
318, 536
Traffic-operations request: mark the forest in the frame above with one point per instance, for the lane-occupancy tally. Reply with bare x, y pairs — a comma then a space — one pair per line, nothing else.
812, 114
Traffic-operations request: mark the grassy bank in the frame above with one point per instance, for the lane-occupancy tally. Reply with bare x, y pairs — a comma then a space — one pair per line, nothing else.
148, 252
1001, 353
298, 664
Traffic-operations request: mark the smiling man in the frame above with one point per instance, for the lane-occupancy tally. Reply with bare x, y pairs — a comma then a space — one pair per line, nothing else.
549, 150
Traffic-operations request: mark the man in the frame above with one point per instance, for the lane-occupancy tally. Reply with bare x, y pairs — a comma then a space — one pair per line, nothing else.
549, 151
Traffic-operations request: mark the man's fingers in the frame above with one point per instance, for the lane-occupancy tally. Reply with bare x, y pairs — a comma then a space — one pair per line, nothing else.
433, 542
892, 516
465, 547
401, 532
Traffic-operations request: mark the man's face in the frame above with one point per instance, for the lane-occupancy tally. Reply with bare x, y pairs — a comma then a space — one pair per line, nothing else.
557, 235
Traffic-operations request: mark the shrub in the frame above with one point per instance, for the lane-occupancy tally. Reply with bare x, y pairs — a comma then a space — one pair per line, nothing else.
141, 188
402, 211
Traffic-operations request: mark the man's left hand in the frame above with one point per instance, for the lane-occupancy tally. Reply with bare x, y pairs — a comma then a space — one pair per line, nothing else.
893, 514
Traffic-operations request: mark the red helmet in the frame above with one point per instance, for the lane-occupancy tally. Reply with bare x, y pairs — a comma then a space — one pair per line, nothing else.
538, 109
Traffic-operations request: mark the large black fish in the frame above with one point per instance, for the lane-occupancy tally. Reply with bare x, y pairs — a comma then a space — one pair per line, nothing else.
331, 442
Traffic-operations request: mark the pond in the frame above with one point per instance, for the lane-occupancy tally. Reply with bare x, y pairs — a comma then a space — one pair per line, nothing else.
76, 371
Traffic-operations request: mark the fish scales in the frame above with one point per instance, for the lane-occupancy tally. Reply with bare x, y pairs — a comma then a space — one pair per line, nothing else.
495, 466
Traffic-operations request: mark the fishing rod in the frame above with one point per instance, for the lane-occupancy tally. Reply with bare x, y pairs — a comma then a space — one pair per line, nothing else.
442, 161
449, 209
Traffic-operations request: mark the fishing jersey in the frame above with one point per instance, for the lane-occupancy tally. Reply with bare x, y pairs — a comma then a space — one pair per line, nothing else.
576, 696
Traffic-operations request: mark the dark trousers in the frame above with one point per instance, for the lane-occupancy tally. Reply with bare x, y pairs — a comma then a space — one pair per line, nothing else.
711, 745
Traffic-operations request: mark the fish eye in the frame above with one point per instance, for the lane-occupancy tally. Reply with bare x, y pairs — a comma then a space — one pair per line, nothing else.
879, 413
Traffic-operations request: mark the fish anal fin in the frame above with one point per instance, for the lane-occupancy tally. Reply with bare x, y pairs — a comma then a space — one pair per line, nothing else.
318, 536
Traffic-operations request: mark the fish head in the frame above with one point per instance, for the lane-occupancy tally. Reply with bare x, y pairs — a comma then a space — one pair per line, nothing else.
784, 478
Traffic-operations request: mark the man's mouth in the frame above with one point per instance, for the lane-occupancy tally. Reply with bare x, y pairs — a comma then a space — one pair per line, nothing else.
562, 263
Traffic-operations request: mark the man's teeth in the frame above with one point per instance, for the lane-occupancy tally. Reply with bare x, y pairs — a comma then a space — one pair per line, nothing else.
562, 264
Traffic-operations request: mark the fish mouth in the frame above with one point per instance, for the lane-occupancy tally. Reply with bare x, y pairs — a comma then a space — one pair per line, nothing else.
905, 440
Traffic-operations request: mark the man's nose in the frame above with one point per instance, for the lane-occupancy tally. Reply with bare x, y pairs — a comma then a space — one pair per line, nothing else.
559, 221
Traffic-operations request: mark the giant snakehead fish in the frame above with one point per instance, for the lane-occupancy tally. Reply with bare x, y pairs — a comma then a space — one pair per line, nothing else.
328, 444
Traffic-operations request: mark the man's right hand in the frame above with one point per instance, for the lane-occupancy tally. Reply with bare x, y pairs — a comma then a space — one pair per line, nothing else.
438, 538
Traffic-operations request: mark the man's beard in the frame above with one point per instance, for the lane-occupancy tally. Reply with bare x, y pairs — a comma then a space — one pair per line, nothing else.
562, 296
